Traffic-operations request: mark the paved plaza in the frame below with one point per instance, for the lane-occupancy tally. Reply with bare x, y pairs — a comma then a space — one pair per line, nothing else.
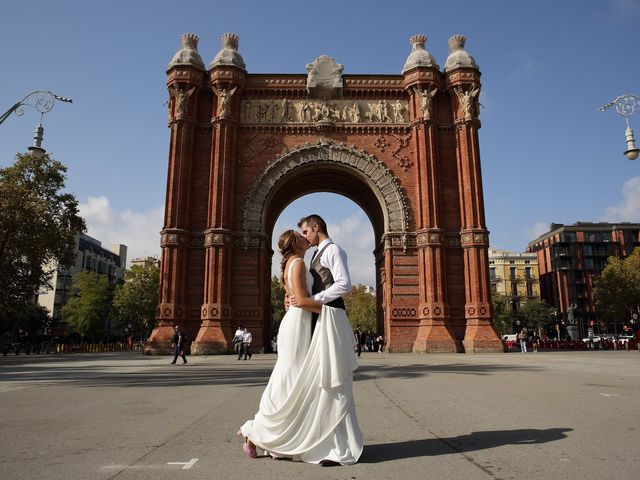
544, 415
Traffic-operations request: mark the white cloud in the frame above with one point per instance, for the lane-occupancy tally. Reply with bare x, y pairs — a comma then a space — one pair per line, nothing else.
355, 235
628, 210
537, 229
626, 6
139, 231
523, 65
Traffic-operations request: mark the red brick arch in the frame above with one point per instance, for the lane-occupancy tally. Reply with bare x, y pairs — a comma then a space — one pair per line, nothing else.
243, 146
329, 167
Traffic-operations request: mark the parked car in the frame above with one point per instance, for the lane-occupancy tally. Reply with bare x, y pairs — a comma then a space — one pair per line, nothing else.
594, 339
626, 338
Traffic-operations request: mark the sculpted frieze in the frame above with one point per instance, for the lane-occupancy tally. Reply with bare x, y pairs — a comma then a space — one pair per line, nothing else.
305, 111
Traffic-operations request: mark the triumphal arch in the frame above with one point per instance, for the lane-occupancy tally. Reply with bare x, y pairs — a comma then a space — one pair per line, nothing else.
403, 147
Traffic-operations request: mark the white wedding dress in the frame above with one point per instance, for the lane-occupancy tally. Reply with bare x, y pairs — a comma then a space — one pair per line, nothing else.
307, 412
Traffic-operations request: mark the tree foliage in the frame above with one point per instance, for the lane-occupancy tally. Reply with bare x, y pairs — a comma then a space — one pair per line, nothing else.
361, 309
38, 223
502, 313
90, 307
617, 288
135, 300
277, 304
536, 314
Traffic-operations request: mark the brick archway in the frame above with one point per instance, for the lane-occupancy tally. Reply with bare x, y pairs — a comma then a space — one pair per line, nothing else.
404, 147
327, 166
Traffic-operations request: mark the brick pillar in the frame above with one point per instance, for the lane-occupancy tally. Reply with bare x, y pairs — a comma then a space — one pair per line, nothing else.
184, 83
480, 335
434, 331
216, 329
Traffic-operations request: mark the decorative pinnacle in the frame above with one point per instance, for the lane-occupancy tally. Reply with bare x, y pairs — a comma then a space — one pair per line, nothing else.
188, 54
230, 40
418, 41
228, 54
419, 57
457, 42
458, 56
190, 40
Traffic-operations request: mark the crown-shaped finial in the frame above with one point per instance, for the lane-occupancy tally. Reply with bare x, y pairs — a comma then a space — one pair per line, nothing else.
458, 56
457, 42
188, 54
228, 54
190, 40
230, 40
418, 41
419, 57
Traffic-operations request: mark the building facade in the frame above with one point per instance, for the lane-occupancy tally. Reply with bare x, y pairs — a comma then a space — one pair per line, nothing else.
570, 257
90, 255
145, 262
404, 147
514, 275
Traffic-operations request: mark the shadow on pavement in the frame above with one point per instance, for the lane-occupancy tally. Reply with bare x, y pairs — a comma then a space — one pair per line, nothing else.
366, 372
83, 372
386, 452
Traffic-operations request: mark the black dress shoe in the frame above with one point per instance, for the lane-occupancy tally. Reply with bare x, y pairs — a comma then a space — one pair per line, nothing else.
329, 463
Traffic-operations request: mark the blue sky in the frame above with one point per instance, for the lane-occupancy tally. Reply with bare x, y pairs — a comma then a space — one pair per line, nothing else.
547, 154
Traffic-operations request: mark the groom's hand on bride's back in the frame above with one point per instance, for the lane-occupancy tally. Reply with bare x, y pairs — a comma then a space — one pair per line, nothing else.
291, 301
287, 302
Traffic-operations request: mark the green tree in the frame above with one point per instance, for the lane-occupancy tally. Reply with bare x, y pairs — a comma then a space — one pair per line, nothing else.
90, 307
617, 288
537, 314
361, 309
135, 300
502, 313
38, 223
277, 304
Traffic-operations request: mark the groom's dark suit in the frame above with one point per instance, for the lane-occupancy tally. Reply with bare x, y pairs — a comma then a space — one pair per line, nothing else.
322, 279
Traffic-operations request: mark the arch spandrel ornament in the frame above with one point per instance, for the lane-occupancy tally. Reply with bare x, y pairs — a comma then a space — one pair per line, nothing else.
385, 185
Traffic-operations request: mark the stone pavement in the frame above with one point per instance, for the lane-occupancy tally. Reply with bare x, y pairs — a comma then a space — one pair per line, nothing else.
569, 415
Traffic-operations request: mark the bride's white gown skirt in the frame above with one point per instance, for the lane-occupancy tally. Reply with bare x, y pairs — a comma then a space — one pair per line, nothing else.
307, 411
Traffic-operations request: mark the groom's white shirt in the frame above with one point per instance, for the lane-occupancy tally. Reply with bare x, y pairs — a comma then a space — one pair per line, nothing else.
335, 259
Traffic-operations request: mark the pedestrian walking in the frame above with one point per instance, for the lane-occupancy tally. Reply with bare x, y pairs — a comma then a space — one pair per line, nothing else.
246, 344
523, 337
237, 340
179, 345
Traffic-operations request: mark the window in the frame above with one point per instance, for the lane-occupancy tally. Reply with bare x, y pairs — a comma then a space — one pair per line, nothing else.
514, 289
529, 290
515, 305
512, 273
527, 273
492, 273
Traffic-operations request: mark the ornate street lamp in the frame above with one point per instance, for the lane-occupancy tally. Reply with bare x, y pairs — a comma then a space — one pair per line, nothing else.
43, 101
626, 106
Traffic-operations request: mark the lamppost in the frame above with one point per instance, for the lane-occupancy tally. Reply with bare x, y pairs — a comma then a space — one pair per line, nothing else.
43, 101
626, 105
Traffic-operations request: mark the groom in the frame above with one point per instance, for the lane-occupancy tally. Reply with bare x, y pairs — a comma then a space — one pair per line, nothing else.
328, 267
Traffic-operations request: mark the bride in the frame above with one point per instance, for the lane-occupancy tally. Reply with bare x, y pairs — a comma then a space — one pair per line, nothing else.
307, 412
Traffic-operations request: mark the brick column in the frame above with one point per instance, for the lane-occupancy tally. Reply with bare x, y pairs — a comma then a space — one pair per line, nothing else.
434, 331
216, 329
480, 335
184, 83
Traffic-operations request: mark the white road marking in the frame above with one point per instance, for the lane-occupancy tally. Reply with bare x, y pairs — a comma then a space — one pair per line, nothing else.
187, 465
610, 394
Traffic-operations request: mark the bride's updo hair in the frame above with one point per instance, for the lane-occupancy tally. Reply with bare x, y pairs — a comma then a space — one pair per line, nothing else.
287, 246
